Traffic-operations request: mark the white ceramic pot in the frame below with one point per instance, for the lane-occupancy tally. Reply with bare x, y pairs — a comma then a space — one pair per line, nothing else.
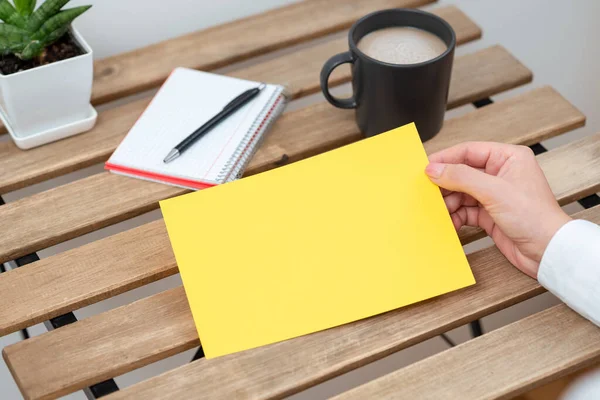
50, 102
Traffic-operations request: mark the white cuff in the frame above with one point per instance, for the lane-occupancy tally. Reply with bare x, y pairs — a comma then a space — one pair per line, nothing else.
570, 268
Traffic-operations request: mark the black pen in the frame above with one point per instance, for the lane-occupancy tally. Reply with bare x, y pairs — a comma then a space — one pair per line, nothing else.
229, 109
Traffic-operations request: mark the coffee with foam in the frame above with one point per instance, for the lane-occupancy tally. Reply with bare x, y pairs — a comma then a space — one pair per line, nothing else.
402, 45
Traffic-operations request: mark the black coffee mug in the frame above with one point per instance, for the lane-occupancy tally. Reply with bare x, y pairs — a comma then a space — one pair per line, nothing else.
386, 95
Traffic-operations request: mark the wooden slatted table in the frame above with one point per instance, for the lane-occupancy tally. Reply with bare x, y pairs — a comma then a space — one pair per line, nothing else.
88, 353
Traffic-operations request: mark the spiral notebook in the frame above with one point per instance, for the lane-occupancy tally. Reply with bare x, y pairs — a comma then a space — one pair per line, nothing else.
187, 100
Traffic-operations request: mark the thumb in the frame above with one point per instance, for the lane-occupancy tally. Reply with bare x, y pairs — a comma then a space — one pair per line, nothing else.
484, 188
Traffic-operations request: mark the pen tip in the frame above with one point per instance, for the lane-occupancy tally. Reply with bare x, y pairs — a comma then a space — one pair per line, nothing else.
262, 86
173, 154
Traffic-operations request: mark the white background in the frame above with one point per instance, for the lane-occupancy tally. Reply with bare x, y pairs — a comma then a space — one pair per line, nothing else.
556, 39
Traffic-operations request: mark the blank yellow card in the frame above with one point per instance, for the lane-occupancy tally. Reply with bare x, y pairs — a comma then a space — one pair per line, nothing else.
345, 235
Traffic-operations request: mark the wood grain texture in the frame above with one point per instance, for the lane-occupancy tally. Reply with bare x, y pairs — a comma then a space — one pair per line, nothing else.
98, 339
497, 71
311, 60
104, 199
88, 352
573, 173
141, 69
21, 168
556, 388
499, 365
107, 267
525, 119
224, 44
581, 169
68, 211
460, 23
476, 75
51, 378
85, 275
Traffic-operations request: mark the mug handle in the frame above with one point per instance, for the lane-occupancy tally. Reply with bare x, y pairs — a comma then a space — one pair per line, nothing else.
327, 69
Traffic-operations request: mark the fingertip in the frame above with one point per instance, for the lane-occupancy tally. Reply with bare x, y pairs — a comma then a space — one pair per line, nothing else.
453, 202
435, 170
456, 221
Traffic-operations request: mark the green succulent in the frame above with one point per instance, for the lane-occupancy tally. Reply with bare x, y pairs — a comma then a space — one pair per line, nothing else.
26, 33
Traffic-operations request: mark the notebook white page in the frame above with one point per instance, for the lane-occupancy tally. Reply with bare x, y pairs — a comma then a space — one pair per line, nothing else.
187, 100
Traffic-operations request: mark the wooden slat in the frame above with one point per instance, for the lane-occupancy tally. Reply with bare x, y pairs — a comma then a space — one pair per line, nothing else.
128, 73
577, 175
215, 47
19, 168
42, 224
534, 114
499, 365
496, 70
109, 344
554, 389
110, 330
105, 268
311, 60
285, 368
571, 178
155, 257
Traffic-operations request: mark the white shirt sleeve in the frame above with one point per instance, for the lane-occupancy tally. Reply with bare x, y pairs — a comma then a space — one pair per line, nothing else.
570, 268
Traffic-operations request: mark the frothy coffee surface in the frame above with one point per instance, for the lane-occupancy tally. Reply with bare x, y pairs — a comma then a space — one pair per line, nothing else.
402, 45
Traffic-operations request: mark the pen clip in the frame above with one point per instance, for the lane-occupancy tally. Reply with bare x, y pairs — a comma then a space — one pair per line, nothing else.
243, 95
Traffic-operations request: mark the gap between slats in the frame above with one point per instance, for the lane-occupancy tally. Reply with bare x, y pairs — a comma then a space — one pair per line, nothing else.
299, 70
280, 370
141, 69
216, 47
161, 325
501, 364
100, 200
147, 245
105, 268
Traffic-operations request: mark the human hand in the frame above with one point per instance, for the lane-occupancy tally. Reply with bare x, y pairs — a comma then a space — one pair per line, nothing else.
502, 189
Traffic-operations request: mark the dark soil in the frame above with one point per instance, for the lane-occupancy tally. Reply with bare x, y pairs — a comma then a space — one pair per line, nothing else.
63, 48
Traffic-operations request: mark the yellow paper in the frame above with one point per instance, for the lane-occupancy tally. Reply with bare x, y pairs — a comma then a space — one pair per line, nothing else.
322, 242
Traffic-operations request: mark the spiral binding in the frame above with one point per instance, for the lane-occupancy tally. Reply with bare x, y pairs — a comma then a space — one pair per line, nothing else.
234, 168
256, 140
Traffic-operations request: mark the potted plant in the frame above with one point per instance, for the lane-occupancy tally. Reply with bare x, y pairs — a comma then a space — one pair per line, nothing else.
46, 72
